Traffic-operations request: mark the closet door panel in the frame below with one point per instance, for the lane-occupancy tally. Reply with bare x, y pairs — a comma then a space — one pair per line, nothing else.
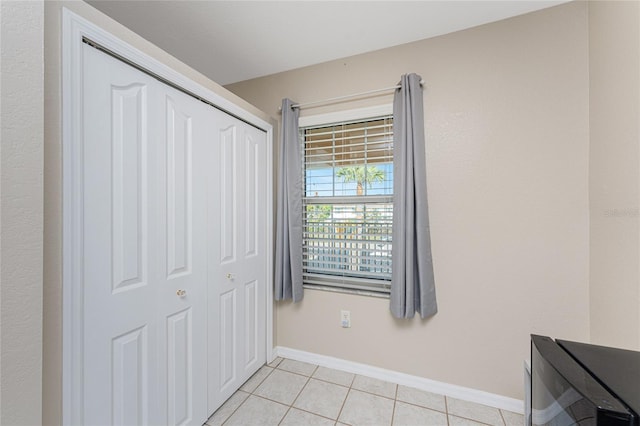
252, 264
119, 329
225, 301
179, 190
145, 247
182, 271
227, 344
228, 170
251, 323
180, 367
238, 270
129, 185
252, 200
130, 378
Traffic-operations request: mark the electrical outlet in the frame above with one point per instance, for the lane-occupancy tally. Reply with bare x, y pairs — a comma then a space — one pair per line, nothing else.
345, 319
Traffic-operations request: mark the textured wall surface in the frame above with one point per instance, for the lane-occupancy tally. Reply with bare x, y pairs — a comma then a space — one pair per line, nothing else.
506, 120
614, 67
21, 210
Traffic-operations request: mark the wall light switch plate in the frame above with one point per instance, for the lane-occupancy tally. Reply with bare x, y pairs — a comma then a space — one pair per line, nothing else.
345, 319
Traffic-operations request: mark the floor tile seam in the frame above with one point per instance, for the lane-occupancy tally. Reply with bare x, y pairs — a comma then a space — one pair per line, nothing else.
422, 406
233, 412
395, 401
302, 389
345, 399
294, 400
236, 409
304, 410
341, 371
446, 410
472, 402
314, 370
315, 414
275, 366
350, 387
504, 422
261, 381
331, 383
271, 400
285, 415
259, 396
352, 380
294, 372
371, 393
468, 418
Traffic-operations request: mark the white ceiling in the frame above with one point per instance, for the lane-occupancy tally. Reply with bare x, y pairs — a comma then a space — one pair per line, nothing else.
231, 41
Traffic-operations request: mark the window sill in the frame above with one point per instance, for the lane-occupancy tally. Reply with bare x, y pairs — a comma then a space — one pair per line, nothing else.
368, 293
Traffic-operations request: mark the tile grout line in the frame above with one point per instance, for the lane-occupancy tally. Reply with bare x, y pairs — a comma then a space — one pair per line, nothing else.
468, 418
331, 383
315, 414
349, 388
234, 411
472, 420
346, 397
395, 400
504, 422
421, 406
446, 410
298, 395
366, 391
245, 400
324, 381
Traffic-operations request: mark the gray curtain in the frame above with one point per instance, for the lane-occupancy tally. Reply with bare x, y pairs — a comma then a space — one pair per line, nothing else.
412, 285
288, 256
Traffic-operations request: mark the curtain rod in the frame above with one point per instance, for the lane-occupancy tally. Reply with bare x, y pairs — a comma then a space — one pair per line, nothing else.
341, 98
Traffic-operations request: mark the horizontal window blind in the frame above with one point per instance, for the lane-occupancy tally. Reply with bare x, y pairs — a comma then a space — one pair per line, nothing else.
348, 204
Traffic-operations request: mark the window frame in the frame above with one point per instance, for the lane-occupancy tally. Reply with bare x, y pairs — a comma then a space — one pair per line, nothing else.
329, 119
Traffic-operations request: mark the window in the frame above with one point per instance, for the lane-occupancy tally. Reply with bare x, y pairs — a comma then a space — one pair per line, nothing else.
348, 204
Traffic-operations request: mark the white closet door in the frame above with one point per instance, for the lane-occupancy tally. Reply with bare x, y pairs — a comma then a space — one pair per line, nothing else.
181, 275
120, 297
237, 225
144, 240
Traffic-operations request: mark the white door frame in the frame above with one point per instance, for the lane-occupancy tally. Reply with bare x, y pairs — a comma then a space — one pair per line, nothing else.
74, 29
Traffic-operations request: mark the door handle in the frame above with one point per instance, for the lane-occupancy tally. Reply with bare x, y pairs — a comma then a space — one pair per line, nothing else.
181, 293
230, 276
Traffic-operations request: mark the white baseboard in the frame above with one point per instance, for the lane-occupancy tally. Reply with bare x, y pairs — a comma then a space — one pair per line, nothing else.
454, 391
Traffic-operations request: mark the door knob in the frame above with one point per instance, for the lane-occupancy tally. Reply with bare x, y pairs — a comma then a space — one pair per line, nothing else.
181, 293
230, 276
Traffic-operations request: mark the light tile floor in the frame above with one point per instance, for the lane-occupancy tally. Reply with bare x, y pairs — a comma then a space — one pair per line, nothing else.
294, 393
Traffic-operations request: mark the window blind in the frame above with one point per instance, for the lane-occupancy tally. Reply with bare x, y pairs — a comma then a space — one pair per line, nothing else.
348, 204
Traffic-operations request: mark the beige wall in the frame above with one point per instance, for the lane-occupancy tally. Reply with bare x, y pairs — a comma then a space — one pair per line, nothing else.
21, 210
614, 66
506, 110
52, 345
